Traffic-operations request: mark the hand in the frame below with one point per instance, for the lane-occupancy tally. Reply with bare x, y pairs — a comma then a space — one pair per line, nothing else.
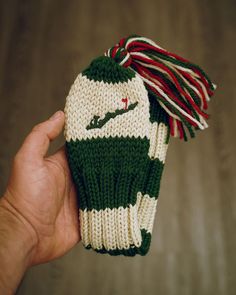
41, 195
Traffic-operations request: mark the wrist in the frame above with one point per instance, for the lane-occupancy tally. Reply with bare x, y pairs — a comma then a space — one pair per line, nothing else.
18, 241
17, 230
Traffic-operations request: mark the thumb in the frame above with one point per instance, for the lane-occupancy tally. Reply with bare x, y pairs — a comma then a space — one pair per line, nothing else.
36, 144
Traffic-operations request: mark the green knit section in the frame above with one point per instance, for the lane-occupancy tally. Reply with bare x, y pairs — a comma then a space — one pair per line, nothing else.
152, 180
132, 251
109, 172
105, 69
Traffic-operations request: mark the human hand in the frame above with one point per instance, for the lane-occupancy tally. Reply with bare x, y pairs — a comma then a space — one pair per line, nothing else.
41, 195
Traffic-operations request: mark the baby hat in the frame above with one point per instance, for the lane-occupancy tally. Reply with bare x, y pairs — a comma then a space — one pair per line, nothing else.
120, 113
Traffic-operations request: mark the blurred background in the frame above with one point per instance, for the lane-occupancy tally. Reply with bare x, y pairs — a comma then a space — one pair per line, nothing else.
43, 46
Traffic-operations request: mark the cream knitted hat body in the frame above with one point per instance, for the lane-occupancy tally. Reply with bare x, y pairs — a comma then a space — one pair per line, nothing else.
120, 113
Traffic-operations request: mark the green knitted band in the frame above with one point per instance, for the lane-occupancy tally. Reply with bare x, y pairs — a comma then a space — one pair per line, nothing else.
105, 69
113, 178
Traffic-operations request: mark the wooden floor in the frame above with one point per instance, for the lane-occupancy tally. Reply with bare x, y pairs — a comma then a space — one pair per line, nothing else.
43, 46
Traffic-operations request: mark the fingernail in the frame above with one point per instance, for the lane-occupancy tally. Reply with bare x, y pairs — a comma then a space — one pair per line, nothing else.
56, 115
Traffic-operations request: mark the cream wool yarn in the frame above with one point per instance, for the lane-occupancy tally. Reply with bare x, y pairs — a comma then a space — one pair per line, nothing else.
120, 113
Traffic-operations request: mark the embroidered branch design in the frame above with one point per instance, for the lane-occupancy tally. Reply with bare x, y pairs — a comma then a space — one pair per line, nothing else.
96, 122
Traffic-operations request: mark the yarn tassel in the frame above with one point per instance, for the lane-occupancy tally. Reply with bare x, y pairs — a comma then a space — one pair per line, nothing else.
182, 88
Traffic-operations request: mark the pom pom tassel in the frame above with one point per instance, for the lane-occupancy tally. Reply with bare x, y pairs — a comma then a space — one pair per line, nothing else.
182, 88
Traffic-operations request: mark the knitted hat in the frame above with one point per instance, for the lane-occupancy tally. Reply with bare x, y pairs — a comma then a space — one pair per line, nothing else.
120, 113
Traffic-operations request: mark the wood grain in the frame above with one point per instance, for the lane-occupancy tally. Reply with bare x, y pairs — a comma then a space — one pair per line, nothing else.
43, 46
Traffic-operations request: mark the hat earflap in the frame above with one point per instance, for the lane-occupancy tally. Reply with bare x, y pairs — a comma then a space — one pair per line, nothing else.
182, 88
